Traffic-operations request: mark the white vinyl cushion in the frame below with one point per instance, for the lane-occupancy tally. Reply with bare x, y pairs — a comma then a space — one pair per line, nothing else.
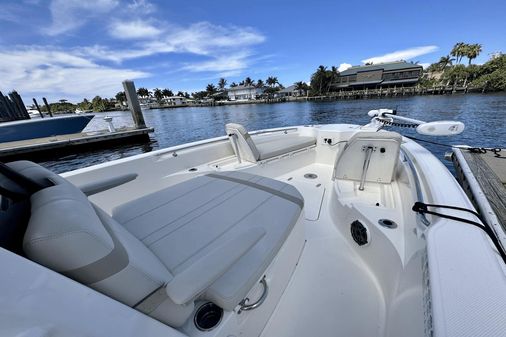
261, 147
223, 228
279, 144
183, 223
386, 146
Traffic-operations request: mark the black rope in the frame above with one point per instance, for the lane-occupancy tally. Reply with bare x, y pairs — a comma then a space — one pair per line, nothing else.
422, 208
495, 150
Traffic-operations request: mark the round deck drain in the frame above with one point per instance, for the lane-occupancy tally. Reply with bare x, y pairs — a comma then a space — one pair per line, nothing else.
310, 176
208, 316
387, 223
193, 169
359, 233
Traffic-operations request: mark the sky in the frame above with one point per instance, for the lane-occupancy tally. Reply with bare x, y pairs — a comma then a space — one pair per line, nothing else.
68, 49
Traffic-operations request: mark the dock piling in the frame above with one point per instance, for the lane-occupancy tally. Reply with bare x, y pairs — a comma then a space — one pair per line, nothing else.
133, 104
38, 108
47, 107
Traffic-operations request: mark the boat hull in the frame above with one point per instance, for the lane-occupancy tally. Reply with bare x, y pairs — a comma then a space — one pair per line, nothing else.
42, 127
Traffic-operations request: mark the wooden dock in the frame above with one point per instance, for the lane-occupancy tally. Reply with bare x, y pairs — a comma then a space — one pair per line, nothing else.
482, 175
71, 143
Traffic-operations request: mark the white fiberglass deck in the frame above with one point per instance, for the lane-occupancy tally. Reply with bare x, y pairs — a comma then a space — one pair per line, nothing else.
326, 279
344, 299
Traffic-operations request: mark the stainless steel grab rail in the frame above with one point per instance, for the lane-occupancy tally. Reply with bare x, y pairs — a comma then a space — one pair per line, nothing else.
418, 189
246, 307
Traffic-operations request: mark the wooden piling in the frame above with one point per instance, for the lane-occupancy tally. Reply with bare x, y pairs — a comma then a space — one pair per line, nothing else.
133, 104
47, 107
38, 108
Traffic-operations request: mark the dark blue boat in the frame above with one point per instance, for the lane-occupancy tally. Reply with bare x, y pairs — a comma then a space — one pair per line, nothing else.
42, 127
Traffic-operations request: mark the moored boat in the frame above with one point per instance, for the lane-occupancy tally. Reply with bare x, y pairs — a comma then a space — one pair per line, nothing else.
324, 230
42, 127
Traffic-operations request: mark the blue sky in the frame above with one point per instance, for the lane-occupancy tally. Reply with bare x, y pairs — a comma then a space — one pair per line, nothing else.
75, 49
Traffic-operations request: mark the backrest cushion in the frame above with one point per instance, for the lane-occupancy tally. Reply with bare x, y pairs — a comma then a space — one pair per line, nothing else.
64, 232
248, 150
386, 146
36, 172
70, 235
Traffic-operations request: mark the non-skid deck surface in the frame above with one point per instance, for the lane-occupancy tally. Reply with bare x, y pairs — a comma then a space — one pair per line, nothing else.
330, 294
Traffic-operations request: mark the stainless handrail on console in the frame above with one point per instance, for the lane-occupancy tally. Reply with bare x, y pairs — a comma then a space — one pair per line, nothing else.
418, 188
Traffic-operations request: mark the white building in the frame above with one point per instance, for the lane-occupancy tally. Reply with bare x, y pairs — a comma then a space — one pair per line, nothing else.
176, 100
242, 92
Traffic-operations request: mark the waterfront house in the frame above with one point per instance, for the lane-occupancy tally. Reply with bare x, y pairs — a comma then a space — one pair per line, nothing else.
175, 100
244, 92
290, 91
391, 74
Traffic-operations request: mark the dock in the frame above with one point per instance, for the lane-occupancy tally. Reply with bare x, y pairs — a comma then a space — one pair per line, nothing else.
12, 108
482, 175
71, 143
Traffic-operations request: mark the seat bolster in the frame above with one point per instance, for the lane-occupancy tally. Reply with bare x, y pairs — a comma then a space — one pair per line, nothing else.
201, 274
143, 274
36, 172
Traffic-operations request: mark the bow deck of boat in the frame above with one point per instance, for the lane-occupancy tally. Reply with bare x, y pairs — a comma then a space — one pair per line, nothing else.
357, 261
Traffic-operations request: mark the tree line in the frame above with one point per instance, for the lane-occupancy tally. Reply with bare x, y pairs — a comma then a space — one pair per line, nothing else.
451, 71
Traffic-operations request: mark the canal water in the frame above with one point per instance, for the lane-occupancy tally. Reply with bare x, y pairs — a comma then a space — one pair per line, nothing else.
483, 115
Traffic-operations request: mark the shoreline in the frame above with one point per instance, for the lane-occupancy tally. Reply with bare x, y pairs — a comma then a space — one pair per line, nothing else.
345, 95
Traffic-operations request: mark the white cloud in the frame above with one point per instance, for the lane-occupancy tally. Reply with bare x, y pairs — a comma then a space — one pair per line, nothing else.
75, 72
68, 15
141, 6
405, 54
35, 71
227, 46
226, 65
424, 65
344, 66
133, 30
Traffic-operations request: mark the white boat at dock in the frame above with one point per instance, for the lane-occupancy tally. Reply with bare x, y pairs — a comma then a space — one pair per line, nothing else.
322, 230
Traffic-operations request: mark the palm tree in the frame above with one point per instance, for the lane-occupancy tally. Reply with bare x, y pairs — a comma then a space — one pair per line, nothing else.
158, 94
322, 74
332, 77
167, 92
121, 97
473, 51
300, 87
180, 94
445, 61
458, 51
260, 84
272, 81
210, 89
248, 82
143, 92
233, 84
222, 83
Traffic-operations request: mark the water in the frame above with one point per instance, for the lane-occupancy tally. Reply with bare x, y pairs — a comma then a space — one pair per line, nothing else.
483, 115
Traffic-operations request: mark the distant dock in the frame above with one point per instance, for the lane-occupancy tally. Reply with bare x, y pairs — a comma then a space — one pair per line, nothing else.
482, 175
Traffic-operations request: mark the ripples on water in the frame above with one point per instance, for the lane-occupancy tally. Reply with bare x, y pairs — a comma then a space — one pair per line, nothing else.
483, 115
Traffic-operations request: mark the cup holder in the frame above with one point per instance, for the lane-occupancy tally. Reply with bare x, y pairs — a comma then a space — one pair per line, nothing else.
387, 223
208, 316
